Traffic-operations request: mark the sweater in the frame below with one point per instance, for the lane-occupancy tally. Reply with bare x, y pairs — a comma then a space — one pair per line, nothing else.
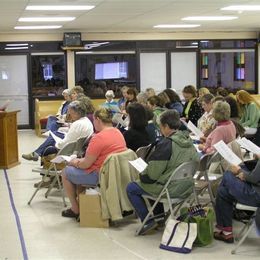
251, 116
194, 113
80, 128
136, 138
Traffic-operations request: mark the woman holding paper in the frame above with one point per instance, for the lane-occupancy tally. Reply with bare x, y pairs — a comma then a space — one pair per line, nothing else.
192, 110
240, 186
250, 111
84, 171
207, 122
225, 129
81, 127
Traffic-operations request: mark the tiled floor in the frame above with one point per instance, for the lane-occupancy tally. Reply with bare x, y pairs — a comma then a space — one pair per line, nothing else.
49, 236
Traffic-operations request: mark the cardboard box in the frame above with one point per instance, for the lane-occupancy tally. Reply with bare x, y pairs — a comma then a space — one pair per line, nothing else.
90, 211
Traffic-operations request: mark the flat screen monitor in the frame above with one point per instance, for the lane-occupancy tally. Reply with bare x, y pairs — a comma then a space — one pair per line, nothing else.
111, 70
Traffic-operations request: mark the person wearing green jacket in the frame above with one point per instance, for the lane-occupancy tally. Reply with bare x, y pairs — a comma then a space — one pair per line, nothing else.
250, 111
171, 151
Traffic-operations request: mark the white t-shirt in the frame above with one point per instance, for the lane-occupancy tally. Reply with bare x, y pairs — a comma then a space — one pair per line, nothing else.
80, 128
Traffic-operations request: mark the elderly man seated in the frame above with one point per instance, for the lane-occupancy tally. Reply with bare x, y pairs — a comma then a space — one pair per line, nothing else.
171, 151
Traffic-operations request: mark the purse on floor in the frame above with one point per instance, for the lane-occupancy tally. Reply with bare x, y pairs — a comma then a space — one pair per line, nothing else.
203, 217
178, 236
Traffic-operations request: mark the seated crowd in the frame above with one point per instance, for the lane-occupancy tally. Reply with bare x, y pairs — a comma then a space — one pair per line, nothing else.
138, 120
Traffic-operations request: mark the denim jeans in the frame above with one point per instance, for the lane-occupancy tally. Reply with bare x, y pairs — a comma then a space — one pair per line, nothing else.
48, 142
231, 190
134, 193
52, 124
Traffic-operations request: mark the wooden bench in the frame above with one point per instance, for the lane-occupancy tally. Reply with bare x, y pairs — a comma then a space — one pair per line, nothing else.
44, 108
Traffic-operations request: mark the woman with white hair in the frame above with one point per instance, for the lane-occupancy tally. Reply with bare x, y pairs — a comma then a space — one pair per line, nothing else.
52, 123
110, 103
80, 127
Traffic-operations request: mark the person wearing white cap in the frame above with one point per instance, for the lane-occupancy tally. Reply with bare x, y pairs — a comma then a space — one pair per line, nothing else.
110, 103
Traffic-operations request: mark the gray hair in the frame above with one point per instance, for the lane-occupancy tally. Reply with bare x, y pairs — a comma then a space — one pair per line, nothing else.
79, 107
221, 111
142, 98
170, 118
65, 92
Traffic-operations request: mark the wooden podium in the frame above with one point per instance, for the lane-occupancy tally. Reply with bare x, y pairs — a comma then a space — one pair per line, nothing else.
8, 140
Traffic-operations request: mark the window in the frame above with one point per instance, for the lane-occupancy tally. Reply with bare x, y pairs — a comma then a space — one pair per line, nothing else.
48, 74
239, 66
204, 66
97, 73
229, 68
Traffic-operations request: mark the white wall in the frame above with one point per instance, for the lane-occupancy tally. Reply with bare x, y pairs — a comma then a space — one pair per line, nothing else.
183, 70
153, 71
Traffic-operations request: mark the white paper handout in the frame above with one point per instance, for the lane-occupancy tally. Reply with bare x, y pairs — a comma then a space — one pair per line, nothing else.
62, 158
55, 137
195, 130
248, 145
227, 153
139, 164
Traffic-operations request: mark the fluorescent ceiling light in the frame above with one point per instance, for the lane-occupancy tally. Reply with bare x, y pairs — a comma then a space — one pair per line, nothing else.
16, 44
16, 48
46, 19
242, 8
59, 7
209, 18
37, 27
176, 26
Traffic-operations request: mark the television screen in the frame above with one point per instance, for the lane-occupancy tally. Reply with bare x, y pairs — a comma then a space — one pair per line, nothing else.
112, 70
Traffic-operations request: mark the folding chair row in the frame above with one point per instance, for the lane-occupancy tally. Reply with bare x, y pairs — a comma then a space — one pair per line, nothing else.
54, 173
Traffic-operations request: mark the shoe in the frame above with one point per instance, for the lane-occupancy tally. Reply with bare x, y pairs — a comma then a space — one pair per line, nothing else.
68, 213
148, 227
127, 213
225, 238
31, 156
45, 184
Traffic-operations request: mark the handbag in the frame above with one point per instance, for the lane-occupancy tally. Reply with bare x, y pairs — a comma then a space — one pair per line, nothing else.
178, 236
204, 218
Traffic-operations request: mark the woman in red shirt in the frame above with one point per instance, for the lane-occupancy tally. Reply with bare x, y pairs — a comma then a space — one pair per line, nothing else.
85, 170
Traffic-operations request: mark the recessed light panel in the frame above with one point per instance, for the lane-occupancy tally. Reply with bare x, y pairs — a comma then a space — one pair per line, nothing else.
242, 8
46, 19
209, 18
59, 7
37, 27
176, 26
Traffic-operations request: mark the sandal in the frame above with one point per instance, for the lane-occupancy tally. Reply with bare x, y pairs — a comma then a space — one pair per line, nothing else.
225, 238
69, 213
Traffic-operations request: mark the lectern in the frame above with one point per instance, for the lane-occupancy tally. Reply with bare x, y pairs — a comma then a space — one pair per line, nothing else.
8, 140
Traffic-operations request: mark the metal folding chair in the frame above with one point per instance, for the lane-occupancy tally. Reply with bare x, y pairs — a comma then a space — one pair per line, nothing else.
144, 151
240, 238
185, 171
204, 179
54, 173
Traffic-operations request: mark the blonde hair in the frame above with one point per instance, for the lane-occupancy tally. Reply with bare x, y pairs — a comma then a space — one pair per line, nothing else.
203, 91
104, 114
150, 92
164, 97
245, 97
